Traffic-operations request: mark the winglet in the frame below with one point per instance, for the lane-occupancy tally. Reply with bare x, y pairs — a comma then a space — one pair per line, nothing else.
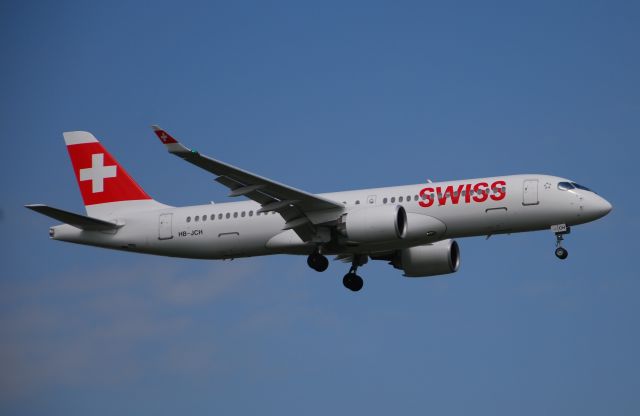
172, 145
164, 137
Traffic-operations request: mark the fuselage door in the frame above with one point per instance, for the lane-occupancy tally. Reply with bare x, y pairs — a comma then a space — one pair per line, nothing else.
530, 192
164, 227
229, 243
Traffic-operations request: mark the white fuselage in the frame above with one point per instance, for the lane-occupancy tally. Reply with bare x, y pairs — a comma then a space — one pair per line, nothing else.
217, 231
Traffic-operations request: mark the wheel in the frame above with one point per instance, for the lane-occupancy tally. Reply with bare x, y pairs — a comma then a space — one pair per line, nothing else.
562, 253
346, 280
352, 282
357, 283
323, 263
318, 262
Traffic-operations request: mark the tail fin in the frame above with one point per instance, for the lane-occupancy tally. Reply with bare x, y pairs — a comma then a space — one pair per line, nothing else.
105, 186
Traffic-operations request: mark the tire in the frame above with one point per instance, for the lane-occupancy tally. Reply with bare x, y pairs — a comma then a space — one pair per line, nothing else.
562, 253
353, 282
357, 283
347, 279
323, 263
318, 262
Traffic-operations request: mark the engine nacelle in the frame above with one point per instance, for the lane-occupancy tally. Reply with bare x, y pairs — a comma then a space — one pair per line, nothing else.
424, 228
374, 224
433, 259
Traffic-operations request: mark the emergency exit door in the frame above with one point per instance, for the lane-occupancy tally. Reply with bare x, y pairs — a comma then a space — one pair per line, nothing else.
530, 192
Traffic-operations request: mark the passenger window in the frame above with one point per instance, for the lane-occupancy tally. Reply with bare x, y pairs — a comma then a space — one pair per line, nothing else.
400, 199
564, 186
415, 198
235, 215
197, 218
384, 200
213, 217
204, 218
251, 213
219, 216
228, 215
357, 202
393, 199
188, 219
242, 214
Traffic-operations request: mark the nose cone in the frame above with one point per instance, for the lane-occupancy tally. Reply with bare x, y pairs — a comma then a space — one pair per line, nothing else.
598, 207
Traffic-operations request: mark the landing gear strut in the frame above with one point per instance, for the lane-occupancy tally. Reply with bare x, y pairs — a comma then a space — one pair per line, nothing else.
317, 261
560, 231
351, 280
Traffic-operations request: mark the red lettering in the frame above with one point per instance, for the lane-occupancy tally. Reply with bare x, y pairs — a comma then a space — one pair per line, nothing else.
500, 194
442, 197
449, 193
481, 194
425, 198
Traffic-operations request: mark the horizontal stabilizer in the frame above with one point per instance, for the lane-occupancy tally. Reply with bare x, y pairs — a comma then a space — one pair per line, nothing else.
79, 221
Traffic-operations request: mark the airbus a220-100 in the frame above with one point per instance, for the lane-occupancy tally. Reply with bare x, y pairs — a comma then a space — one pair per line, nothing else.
412, 227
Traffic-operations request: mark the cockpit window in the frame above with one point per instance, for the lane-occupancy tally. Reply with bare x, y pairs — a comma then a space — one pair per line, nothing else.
565, 186
584, 188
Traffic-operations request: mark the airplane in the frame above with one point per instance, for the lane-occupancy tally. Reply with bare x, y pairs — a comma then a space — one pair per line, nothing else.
412, 227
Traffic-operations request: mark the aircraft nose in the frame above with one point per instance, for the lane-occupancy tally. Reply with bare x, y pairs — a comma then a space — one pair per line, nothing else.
600, 207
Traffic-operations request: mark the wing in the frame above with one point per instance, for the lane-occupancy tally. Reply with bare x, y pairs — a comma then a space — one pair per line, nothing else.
291, 203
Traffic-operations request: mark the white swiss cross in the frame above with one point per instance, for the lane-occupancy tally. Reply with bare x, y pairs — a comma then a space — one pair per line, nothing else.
164, 138
98, 172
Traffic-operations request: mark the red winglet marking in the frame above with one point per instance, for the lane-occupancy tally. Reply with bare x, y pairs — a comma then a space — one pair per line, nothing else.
165, 137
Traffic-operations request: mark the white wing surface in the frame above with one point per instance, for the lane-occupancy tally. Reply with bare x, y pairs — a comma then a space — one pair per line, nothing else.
291, 203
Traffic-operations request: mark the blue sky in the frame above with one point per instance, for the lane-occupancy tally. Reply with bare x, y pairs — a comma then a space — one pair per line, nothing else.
323, 96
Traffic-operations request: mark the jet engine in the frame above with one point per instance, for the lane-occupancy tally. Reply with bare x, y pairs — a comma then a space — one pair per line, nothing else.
374, 224
434, 259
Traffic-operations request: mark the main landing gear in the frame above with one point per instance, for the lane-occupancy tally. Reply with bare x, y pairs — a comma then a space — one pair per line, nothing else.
351, 280
560, 231
317, 261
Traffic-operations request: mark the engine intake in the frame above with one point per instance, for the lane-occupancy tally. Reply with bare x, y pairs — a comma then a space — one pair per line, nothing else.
374, 224
434, 259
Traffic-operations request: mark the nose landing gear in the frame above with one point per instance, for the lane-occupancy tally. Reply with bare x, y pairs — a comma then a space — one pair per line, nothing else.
560, 230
